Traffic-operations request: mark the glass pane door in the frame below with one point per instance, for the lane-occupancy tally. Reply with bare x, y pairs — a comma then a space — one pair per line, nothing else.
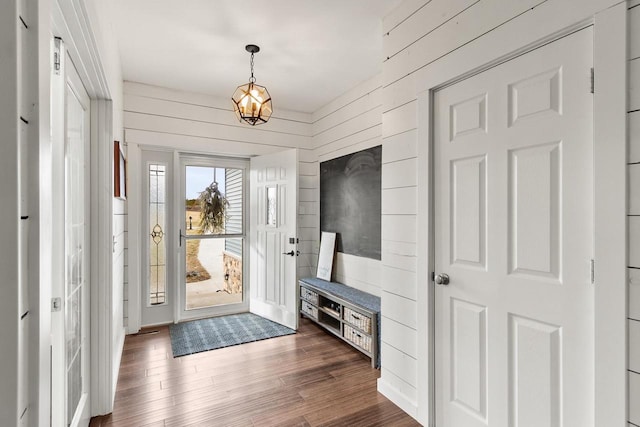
76, 251
157, 230
213, 237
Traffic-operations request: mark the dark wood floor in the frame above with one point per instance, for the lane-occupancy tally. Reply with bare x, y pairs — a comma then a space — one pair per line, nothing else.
306, 379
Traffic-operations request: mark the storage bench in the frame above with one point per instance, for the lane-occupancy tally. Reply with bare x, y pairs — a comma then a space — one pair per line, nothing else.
348, 313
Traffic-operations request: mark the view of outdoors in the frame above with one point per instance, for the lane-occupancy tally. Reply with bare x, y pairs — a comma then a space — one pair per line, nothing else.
213, 210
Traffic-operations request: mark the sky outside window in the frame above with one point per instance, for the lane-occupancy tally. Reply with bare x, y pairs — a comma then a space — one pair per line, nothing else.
200, 177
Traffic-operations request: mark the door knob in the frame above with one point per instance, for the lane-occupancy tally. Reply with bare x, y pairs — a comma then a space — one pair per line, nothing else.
442, 279
291, 253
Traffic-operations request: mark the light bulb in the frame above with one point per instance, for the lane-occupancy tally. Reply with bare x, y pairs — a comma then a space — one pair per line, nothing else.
255, 106
256, 95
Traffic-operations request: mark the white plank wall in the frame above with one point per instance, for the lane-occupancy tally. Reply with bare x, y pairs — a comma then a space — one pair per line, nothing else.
419, 36
633, 171
202, 124
350, 123
13, 100
399, 246
308, 211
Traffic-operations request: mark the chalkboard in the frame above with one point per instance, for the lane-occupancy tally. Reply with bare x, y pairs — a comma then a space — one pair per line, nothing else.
350, 201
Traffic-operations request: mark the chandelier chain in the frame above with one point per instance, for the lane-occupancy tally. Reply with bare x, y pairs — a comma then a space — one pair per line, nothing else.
252, 79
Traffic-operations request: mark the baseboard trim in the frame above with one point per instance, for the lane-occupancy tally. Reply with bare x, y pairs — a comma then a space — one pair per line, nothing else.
398, 398
117, 359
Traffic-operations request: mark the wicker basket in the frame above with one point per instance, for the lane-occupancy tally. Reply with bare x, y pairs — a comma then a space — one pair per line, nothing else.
358, 338
309, 310
309, 295
357, 319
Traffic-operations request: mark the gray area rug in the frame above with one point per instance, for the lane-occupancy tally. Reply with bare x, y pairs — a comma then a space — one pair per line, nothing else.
217, 332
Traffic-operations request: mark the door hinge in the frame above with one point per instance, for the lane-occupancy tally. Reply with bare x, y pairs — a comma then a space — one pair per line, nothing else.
593, 271
56, 304
57, 43
593, 81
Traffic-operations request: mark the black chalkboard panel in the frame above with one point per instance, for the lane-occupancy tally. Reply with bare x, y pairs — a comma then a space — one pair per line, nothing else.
350, 201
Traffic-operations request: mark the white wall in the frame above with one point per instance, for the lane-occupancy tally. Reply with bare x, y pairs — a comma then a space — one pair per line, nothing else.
203, 124
350, 123
633, 170
354, 122
12, 100
419, 36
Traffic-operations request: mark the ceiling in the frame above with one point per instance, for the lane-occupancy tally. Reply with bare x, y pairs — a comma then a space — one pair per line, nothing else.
311, 51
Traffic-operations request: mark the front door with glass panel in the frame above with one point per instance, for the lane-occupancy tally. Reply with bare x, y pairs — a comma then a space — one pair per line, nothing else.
213, 237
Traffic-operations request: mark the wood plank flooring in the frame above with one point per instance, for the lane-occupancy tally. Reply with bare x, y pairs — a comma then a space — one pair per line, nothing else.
306, 379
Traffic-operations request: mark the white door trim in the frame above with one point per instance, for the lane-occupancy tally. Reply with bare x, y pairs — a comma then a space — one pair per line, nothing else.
610, 215
70, 21
134, 221
540, 26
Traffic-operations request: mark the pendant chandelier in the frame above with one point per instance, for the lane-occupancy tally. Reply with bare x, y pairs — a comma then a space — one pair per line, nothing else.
252, 102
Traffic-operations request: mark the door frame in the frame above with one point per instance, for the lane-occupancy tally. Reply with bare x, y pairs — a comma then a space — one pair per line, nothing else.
540, 26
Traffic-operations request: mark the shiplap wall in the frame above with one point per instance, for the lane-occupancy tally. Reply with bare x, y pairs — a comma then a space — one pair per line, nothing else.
350, 123
419, 36
634, 213
16, 112
203, 124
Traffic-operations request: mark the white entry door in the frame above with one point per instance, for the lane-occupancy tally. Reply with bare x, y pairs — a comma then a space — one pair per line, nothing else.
273, 236
514, 233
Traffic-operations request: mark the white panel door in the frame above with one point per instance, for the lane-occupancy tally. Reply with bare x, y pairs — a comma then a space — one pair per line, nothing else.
273, 236
513, 232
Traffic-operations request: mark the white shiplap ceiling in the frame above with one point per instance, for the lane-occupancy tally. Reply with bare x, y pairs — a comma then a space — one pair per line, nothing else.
312, 51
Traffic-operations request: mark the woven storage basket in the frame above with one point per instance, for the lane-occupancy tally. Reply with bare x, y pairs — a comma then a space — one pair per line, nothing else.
309, 295
358, 338
309, 310
357, 319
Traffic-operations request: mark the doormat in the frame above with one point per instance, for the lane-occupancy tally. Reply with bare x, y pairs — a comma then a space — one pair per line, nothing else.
218, 332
